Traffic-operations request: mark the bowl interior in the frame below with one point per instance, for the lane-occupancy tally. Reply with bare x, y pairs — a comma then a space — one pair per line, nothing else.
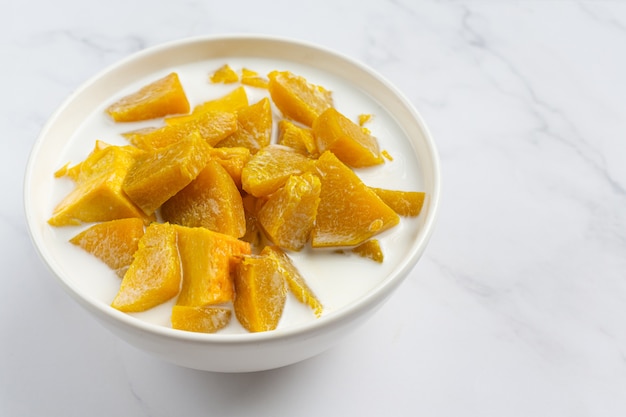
345, 285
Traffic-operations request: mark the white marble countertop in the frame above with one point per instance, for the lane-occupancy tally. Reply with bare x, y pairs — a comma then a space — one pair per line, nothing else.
518, 306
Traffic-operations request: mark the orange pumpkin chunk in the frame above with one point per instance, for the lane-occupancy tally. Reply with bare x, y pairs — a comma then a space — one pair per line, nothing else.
347, 140
260, 291
158, 175
295, 282
98, 194
211, 200
405, 203
296, 137
270, 168
160, 98
113, 242
349, 212
370, 249
289, 214
224, 74
296, 98
254, 127
229, 103
200, 319
206, 259
154, 276
211, 126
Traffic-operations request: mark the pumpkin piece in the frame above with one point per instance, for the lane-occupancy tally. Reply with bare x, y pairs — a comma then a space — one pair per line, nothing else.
338, 134
97, 162
296, 98
229, 103
211, 126
154, 276
113, 242
349, 212
269, 169
289, 214
211, 200
299, 138
364, 118
158, 175
200, 319
370, 249
295, 282
254, 127
104, 155
225, 75
233, 160
160, 98
63, 171
252, 78
253, 233
206, 263
136, 137
98, 194
260, 293
405, 203
94, 163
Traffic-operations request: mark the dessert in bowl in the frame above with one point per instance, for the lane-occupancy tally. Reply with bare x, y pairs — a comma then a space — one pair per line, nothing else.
349, 287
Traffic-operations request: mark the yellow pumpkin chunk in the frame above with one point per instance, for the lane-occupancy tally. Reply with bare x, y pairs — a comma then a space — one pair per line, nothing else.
253, 233
228, 103
289, 214
349, 212
364, 118
211, 126
206, 258
154, 276
370, 249
295, 282
211, 200
296, 137
253, 79
260, 291
224, 74
103, 156
63, 171
347, 140
160, 98
98, 195
405, 203
233, 160
113, 242
158, 175
254, 127
269, 169
96, 162
296, 98
200, 319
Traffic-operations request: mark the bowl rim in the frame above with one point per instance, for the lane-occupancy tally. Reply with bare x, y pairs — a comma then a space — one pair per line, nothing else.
345, 312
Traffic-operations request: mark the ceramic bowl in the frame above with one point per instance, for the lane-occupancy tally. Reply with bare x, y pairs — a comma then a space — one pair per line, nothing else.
351, 288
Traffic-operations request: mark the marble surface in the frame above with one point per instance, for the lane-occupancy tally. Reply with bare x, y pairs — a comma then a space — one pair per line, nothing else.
518, 306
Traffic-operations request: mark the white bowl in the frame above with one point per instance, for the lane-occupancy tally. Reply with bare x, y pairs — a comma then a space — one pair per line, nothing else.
353, 289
